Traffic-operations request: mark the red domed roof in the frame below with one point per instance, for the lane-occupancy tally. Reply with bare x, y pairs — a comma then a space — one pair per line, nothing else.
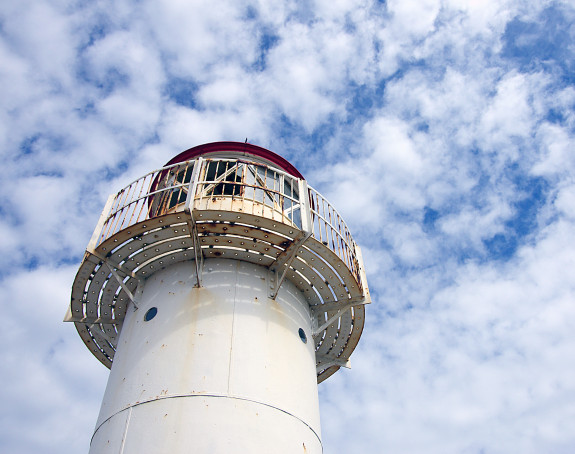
245, 149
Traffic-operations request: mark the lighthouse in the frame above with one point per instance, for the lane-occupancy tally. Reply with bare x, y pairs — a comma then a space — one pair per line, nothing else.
220, 290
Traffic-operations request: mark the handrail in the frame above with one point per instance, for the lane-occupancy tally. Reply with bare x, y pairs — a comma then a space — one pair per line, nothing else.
230, 185
327, 233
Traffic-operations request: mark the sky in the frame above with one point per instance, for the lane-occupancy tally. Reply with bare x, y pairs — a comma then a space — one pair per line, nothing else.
443, 131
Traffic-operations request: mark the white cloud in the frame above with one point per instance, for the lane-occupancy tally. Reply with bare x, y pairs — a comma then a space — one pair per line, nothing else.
50, 47
394, 150
195, 35
556, 156
416, 18
52, 387
405, 115
509, 113
565, 202
483, 364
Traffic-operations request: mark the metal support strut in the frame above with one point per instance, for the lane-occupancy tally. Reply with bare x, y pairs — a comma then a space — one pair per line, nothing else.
334, 317
199, 256
114, 268
323, 362
285, 260
192, 226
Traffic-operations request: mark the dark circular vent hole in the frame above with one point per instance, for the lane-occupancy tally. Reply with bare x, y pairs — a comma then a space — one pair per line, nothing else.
150, 314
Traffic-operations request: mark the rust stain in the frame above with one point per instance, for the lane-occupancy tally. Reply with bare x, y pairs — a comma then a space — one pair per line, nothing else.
304, 448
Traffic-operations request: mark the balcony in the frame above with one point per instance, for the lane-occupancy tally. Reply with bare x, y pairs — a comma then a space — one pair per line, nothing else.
223, 208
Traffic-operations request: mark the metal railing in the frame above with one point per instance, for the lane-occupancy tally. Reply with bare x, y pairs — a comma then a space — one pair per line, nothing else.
329, 228
229, 185
232, 185
143, 199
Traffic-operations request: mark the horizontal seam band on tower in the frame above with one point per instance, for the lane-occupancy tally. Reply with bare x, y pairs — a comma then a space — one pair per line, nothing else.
175, 396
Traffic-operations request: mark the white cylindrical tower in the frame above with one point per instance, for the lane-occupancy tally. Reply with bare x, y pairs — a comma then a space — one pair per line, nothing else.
219, 289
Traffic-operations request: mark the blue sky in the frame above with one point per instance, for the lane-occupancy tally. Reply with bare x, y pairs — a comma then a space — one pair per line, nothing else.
442, 131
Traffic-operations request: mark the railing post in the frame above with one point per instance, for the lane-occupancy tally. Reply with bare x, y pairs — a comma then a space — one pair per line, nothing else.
193, 184
306, 224
192, 228
93, 244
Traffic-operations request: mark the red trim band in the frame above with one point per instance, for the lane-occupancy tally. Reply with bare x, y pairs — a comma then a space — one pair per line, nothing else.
238, 147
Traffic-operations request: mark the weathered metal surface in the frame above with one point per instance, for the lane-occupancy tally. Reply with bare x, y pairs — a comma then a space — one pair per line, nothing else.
240, 210
245, 380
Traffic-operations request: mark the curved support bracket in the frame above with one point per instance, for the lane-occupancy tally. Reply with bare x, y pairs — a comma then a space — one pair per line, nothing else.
317, 331
284, 261
101, 334
323, 362
114, 268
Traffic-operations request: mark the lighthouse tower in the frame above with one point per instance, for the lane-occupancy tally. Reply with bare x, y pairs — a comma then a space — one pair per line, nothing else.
219, 290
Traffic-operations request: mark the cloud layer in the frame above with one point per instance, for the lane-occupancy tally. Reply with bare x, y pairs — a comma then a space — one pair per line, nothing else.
441, 130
